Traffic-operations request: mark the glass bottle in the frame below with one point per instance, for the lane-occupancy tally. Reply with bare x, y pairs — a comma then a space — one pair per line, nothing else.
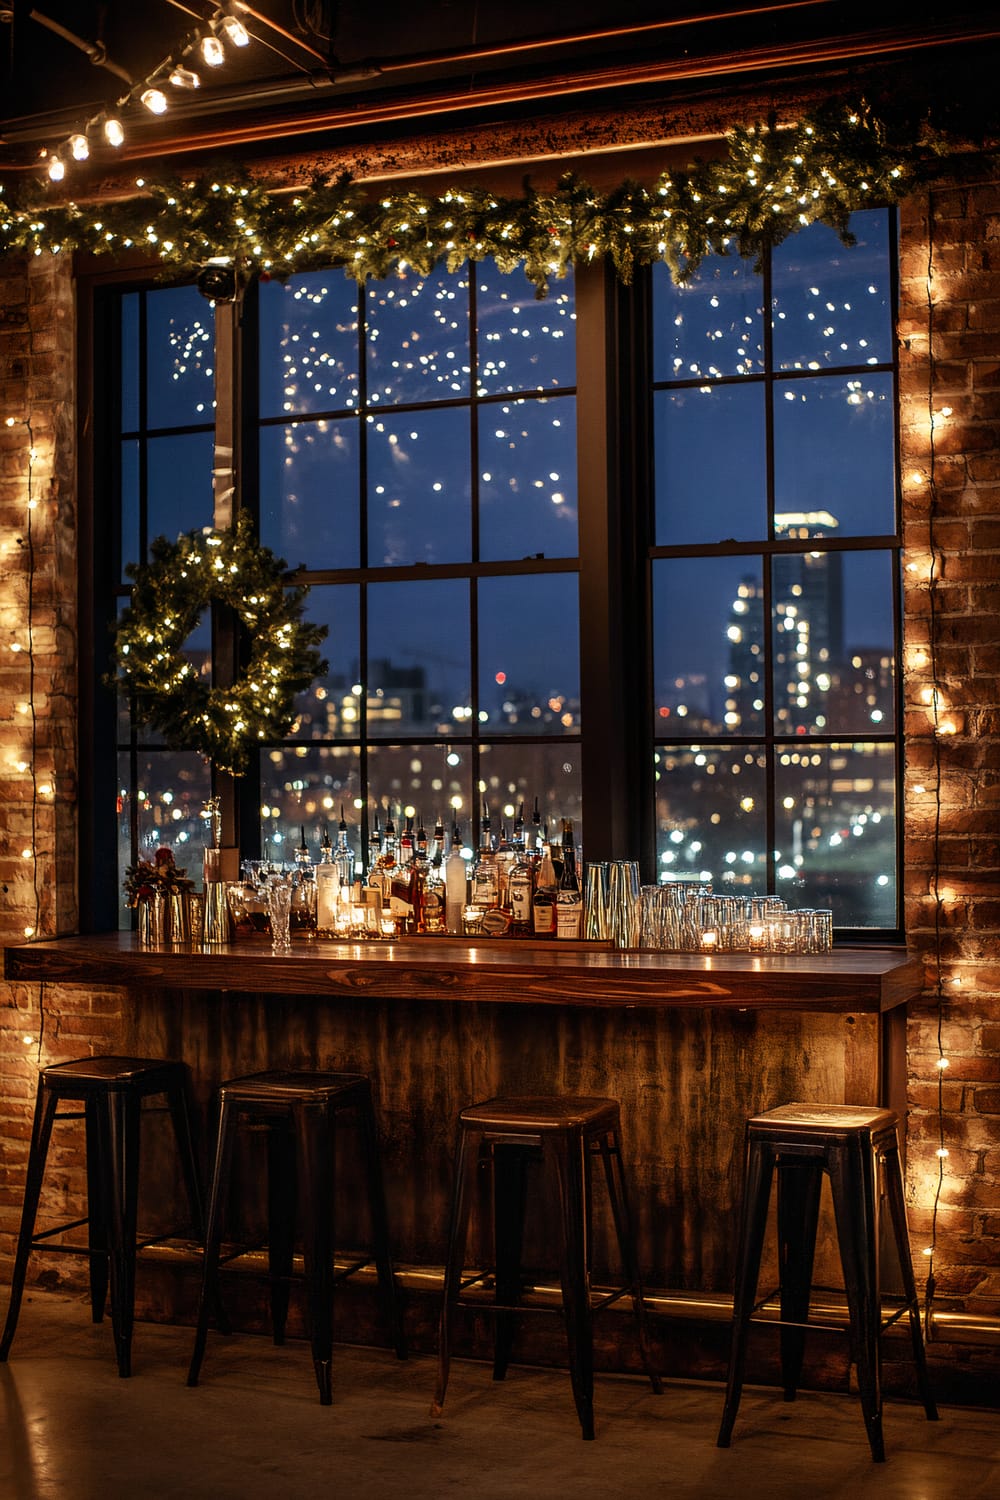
520, 889
485, 874
543, 902
432, 906
302, 915
455, 881
344, 856
327, 887
569, 902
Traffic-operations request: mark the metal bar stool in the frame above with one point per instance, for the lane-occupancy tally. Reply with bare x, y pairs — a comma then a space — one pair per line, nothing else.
565, 1133
299, 1112
858, 1149
111, 1090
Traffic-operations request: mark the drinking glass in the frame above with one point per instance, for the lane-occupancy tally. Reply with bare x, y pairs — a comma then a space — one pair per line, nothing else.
279, 907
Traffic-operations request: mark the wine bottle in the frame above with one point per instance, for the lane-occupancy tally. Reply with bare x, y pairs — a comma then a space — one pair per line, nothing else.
543, 902
569, 902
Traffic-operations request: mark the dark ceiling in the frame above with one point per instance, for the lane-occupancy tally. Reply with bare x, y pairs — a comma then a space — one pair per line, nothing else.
327, 64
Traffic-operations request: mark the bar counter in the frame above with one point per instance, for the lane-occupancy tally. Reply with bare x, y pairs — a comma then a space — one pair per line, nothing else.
690, 1045
501, 970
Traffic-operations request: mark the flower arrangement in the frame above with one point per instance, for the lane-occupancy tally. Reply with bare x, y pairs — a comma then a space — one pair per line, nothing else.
146, 879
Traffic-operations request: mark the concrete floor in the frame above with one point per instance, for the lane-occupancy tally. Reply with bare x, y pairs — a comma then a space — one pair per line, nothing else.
254, 1429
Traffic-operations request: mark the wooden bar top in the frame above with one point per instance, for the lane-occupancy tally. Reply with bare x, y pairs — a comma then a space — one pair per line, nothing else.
862, 979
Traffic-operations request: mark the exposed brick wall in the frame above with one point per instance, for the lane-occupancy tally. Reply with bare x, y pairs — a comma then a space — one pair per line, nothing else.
38, 792
950, 374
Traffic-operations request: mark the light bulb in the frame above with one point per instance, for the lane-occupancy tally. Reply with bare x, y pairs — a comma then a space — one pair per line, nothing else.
213, 51
235, 31
114, 132
79, 147
57, 169
155, 101
184, 78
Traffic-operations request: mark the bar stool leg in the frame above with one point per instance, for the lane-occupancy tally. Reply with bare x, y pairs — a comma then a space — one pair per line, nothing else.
750, 1241
98, 1211
509, 1169
566, 1155
41, 1131
458, 1228
210, 1296
379, 1217
614, 1176
799, 1185
856, 1214
181, 1106
282, 1195
314, 1147
122, 1125
893, 1178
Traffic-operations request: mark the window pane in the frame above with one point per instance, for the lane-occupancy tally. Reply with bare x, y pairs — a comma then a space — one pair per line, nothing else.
529, 654
418, 338
708, 646
524, 343
834, 466
832, 642
173, 787
419, 491
303, 788
512, 774
836, 831
129, 393
179, 485
309, 493
712, 326
129, 503
831, 302
180, 358
711, 469
418, 670
425, 781
527, 480
331, 708
711, 816
308, 344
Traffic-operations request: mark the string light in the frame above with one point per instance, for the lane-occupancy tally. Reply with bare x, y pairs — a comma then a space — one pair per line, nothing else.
108, 125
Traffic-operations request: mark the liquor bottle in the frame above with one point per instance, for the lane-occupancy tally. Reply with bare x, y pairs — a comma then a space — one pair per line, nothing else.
485, 876
506, 853
455, 881
555, 854
385, 863
327, 887
400, 883
543, 902
432, 910
569, 902
302, 916
344, 857
520, 889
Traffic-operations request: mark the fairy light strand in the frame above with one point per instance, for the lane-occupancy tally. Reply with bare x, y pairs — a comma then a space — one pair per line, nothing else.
933, 575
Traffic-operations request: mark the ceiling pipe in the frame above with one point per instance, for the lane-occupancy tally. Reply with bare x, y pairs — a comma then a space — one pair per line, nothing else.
827, 51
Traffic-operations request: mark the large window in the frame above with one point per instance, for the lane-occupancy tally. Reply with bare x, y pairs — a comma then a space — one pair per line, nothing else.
412, 450
774, 574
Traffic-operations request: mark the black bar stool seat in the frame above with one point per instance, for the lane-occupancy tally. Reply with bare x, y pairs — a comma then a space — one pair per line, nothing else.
858, 1149
299, 1111
111, 1090
565, 1133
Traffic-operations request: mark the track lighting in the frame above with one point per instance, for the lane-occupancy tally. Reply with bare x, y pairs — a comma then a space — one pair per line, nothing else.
114, 132
184, 78
213, 51
155, 101
79, 146
235, 31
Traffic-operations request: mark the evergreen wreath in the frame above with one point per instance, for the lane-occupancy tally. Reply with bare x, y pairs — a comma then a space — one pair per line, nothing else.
169, 596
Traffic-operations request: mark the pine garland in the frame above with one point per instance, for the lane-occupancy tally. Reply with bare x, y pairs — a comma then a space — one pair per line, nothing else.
169, 596
772, 182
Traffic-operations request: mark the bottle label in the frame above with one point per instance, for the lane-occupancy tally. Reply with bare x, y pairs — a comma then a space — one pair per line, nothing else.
520, 901
568, 915
544, 918
484, 886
